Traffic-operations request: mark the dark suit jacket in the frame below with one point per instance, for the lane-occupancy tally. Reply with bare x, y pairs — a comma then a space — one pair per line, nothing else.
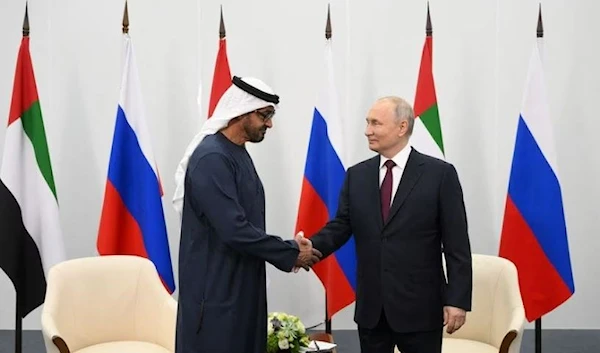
399, 262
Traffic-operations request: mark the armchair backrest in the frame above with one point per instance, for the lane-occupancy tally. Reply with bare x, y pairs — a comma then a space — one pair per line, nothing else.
105, 298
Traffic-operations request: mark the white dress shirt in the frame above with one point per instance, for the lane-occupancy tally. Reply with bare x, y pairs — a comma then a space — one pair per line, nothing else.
400, 159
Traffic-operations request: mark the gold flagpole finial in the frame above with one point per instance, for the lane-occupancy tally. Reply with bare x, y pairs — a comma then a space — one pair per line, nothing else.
428, 26
540, 25
222, 25
328, 24
125, 19
26, 22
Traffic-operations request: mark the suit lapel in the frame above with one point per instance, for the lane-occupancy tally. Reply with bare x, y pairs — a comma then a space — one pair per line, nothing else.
410, 176
374, 197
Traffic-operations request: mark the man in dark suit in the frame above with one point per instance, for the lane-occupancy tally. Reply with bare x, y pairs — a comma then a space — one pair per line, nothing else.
403, 208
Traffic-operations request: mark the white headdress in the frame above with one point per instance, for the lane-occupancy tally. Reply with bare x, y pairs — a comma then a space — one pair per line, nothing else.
243, 96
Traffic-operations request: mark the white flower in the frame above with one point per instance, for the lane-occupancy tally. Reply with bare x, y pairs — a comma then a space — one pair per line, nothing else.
269, 328
284, 344
301, 327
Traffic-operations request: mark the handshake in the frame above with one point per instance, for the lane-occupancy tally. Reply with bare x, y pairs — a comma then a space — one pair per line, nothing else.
308, 255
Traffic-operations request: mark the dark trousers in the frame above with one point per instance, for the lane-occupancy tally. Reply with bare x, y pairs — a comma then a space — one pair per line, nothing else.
382, 339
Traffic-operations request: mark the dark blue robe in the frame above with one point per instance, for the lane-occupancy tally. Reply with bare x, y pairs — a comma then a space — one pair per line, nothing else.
222, 304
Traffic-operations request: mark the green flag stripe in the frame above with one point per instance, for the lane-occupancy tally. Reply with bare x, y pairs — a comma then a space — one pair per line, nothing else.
431, 120
34, 128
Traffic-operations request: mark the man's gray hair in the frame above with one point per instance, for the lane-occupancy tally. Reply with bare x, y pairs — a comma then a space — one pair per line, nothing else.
403, 111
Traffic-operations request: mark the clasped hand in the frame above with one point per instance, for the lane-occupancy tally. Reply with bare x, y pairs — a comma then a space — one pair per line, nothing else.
308, 255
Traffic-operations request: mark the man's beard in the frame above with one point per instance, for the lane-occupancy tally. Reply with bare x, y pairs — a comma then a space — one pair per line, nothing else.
255, 134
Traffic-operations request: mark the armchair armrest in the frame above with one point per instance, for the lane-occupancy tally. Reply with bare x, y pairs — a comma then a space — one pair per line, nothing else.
512, 332
164, 319
53, 340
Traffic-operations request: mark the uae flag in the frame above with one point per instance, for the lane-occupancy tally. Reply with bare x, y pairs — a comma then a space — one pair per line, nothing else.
222, 74
427, 133
30, 233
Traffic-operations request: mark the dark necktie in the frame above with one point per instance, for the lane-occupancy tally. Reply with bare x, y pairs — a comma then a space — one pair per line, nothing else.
386, 190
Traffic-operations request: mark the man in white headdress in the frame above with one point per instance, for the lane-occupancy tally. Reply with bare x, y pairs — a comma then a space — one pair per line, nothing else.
223, 247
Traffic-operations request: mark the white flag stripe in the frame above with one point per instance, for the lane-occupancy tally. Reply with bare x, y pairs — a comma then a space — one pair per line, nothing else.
327, 105
132, 103
23, 177
535, 108
423, 142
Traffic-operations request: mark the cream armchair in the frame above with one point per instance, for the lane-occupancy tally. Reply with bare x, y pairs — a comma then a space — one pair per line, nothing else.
108, 304
497, 319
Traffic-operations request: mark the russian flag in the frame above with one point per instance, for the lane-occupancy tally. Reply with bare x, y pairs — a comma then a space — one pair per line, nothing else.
132, 220
534, 234
321, 186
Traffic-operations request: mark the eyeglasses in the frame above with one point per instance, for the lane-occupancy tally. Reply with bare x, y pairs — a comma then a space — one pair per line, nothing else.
265, 115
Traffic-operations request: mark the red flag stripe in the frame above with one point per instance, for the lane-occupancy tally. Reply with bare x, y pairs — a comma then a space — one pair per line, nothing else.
24, 89
221, 77
425, 96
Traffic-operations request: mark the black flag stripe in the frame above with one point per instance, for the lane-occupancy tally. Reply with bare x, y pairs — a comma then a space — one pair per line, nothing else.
19, 256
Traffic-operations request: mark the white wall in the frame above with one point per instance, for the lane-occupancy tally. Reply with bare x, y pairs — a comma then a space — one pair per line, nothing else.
481, 51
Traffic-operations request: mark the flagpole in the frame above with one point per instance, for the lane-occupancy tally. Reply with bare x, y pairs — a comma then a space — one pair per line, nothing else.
18, 316
327, 319
538, 335
327, 38
538, 322
18, 328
